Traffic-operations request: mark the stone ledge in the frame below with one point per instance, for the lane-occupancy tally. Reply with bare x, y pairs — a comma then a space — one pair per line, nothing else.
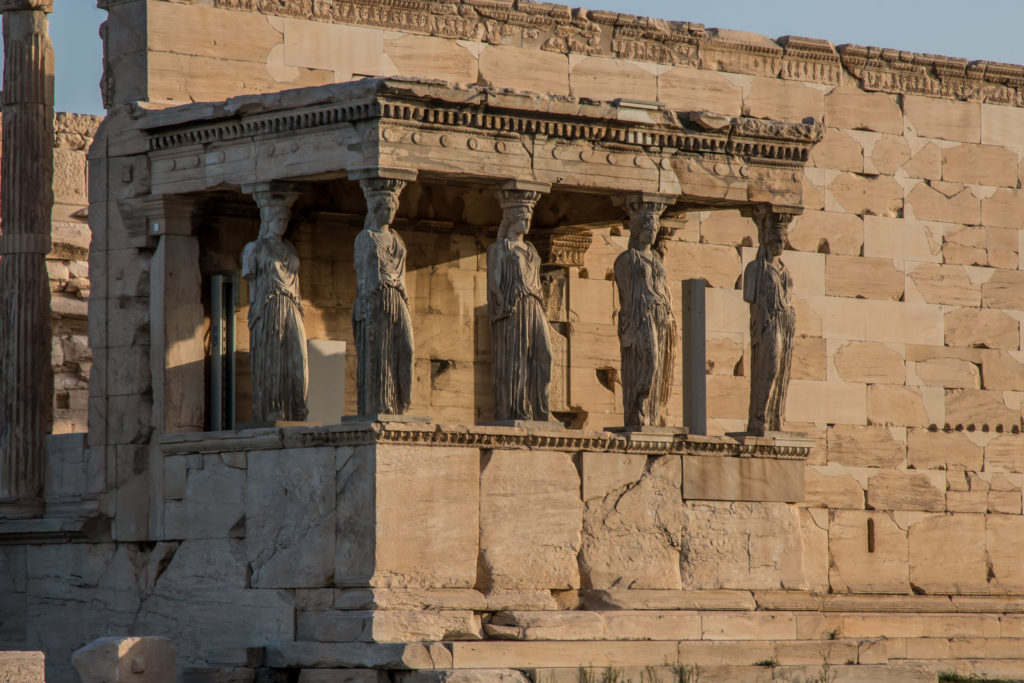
488, 437
80, 522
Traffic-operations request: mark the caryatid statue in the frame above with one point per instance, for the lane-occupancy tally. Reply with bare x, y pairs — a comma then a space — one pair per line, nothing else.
647, 327
520, 342
380, 316
277, 336
767, 287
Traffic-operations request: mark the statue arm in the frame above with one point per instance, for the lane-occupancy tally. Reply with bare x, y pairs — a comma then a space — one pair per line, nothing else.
750, 282
250, 268
495, 300
624, 283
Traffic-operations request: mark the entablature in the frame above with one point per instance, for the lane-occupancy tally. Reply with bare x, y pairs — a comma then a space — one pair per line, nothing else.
408, 126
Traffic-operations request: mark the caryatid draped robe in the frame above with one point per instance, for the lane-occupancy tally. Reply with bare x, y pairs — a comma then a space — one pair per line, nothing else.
382, 323
646, 336
277, 336
767, 287
520, 341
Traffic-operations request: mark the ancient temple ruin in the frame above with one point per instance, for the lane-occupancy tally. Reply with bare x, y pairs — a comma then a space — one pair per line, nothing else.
651, 347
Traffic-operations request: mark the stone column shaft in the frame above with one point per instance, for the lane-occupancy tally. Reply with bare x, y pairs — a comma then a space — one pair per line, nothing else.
26, 189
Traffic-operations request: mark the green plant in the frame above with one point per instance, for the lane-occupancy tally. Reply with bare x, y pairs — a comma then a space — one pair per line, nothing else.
686, 673
767, 662
585, 675
825, 673
611, 675
954, 677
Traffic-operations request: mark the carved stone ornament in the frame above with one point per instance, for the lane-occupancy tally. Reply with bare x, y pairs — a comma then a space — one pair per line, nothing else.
277, 336
767, 287
380, 317
647, 327
520, 342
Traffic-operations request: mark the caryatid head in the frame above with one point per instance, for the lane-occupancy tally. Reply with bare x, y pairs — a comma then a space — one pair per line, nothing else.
517, 212
644, 221
275, 212
772, 229
381, 201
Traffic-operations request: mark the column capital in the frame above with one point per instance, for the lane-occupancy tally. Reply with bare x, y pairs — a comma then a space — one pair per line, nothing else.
370, 172
149, 218
528, 185
643, 202
26, 5
756, 210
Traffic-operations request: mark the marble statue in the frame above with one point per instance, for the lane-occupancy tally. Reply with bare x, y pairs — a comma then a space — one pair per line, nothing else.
767, 287
520, 345
647, 327
380, 316
277, 336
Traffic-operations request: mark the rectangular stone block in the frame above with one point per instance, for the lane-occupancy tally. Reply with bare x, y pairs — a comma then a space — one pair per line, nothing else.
980, 165
496, 654
869, 554
939, 118
854, 109
934, 568
387, 626
903, 323
632, 521
407, 516
902, 239
757, 626
826, 402
832, 487
530, 520
747, 479
289, 517
213, 505
907, 490
863, 278
763, 551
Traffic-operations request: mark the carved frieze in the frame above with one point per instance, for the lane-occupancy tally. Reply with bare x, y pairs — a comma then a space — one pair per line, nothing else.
512, 438
557, 28
894, 71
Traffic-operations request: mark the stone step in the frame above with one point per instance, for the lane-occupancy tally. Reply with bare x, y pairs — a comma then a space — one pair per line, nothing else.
1001, 669
665, 674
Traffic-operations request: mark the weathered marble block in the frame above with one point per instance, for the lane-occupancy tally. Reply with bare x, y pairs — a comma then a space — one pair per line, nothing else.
290, 522
407, 516
530, 520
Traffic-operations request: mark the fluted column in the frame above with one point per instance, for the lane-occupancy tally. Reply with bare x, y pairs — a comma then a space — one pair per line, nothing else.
26, 193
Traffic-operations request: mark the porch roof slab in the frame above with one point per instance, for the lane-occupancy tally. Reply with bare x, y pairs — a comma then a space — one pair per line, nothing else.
407, 127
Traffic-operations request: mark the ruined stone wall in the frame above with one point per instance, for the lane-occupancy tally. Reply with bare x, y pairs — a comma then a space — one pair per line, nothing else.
909, 368
68, 268
907, 262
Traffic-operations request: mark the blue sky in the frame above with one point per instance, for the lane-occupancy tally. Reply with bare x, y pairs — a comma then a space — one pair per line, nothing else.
978, 29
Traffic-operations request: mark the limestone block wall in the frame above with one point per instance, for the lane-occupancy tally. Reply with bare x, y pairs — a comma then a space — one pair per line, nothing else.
68, 268
909, 365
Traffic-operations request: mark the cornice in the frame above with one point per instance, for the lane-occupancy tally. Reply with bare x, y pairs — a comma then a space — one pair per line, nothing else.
562, 29
439, 107
482, 437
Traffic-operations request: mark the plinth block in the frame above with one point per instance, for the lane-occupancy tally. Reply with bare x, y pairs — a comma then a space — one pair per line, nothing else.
407, 516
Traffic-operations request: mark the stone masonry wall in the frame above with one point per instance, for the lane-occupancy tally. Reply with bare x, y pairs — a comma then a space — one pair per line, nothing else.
909, 368
909, 272
68, 268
